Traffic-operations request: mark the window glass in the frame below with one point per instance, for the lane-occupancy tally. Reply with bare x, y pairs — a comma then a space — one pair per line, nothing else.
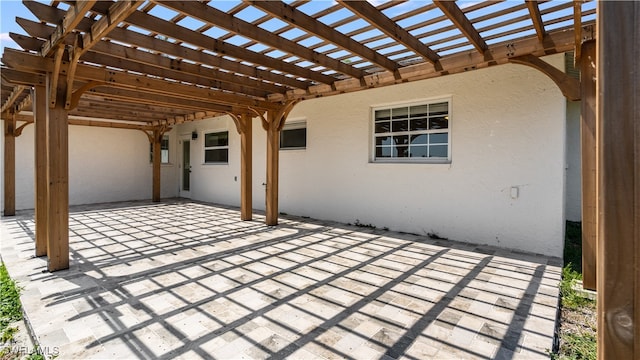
294, 136
383, 127
438, 151
216, 156
216, 147
216, 139
164, 150
416, 131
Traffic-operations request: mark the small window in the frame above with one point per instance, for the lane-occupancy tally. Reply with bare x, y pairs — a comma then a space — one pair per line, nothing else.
294, 135
413, 133
164, 150
216, 147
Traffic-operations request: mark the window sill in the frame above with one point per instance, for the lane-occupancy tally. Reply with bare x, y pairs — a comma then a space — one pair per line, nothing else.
441, 163
215, 164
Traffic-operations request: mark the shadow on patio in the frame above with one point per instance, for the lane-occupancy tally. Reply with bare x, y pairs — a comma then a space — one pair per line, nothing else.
182, 279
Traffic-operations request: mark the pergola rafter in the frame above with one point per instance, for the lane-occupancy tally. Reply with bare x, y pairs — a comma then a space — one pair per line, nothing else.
209, 56
453, 12
126, 65
391, 28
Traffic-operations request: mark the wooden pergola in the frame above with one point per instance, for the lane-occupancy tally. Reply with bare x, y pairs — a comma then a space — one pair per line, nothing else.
149, 65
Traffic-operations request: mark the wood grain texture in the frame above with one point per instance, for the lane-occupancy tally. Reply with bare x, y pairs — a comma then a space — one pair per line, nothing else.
588, 166
618, 126
9, 165
41, 188
569, 86
246, 165
58, 176
391, 28
273, 144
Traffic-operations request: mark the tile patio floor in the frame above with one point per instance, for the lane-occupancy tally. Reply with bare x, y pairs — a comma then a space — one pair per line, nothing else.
188, 280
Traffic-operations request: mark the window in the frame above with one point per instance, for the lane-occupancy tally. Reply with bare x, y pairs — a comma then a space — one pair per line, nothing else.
417, 132
216, 147
294, 135
164, 150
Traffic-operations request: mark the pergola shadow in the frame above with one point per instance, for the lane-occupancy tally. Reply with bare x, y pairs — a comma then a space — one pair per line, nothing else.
183, 279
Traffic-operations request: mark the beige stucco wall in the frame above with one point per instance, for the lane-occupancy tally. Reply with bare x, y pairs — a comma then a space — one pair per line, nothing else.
507, 130
105, 165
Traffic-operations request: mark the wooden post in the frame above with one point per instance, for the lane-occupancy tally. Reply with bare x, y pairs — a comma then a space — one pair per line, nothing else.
618, 173
589, 152
40, 141
273, 145
157, 157
58, 175
9, 165
246, 164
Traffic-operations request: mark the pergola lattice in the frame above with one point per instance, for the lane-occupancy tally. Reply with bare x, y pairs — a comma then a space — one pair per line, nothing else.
150, 65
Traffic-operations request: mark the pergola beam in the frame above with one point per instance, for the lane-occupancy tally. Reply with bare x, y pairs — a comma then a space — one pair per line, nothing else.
51, 14
30, 63
536, 18
117, 12
501, 53
577, 29
72, 18
296, 17
132, 59
459, 19
15, 94
136, 97
227, 21
95, 123
376, 18
569, 86
175, 31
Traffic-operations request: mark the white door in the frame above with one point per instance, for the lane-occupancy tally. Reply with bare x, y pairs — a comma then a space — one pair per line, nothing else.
184, 166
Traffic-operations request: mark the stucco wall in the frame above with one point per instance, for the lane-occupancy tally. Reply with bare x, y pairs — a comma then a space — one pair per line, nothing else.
219, 183
105, 165
507, 130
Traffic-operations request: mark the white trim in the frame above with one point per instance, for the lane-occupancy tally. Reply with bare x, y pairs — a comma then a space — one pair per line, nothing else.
294, 124
204, 147
408, 160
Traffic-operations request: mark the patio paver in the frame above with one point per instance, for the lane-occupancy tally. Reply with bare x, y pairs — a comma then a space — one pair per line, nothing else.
188, 280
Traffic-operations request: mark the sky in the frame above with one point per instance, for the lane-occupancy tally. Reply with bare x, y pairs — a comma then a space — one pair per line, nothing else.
9, 9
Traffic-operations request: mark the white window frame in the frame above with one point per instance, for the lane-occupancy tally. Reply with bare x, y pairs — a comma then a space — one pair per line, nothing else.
205, 148
420, 160
294, 125
166, 138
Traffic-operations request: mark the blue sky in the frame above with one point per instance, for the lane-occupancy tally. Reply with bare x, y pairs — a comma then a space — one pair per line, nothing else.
9, 9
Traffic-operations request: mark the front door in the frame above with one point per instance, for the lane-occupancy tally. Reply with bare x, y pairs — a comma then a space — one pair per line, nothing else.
185, 166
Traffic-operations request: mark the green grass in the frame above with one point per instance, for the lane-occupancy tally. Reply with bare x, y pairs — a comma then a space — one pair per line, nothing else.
10, 307
578, 346
580, 342
11, 311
